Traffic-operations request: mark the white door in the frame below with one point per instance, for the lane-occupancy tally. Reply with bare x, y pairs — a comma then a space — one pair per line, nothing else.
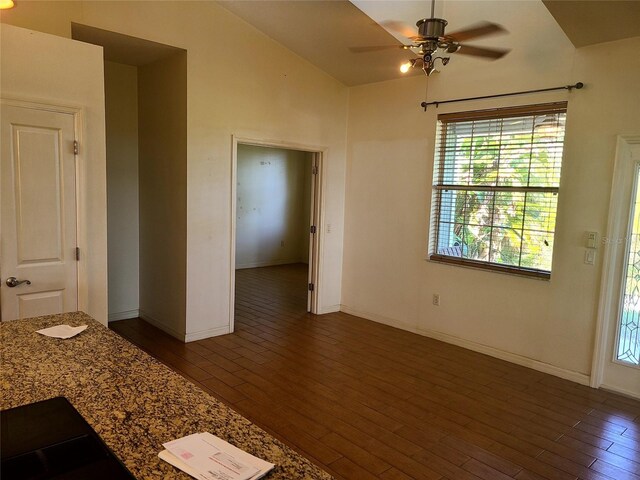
618, 345
312, 302
38, 207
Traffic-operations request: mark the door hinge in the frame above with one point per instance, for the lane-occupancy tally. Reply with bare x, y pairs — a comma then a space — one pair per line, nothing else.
313, 229
314, 170
311, 287
76, 147
77, 254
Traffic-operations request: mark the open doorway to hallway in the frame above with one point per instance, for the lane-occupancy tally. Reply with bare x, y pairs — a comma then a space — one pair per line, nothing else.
275, 241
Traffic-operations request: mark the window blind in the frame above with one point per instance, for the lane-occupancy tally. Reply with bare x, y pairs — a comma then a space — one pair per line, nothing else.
495, 187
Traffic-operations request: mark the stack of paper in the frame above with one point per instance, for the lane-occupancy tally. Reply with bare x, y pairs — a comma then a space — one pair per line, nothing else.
207, 457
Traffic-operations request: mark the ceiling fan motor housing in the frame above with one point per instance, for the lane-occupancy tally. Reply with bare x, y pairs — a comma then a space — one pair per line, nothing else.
432, 28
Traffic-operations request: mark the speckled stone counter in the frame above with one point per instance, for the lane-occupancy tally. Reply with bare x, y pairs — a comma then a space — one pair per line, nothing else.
132, 401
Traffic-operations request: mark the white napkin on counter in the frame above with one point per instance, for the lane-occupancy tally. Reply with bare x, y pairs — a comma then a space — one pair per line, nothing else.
62, 331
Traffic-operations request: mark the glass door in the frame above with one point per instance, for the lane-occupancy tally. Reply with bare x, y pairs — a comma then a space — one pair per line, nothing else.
627, 343
616, 364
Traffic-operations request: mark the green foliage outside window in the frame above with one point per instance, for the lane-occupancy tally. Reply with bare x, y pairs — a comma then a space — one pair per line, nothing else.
498, 190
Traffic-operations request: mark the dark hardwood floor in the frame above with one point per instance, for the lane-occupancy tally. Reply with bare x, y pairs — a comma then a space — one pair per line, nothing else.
364, 400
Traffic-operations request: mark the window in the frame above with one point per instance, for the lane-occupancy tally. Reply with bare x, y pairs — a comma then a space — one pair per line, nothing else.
495, 188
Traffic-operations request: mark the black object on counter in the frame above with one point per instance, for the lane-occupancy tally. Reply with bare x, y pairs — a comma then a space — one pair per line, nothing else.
50, 439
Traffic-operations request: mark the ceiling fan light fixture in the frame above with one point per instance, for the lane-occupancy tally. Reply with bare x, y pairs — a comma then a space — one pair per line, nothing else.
431, 43
405, 67
432, 28
6, 4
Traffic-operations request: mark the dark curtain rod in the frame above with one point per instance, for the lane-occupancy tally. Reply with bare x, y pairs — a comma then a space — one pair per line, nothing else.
577, 86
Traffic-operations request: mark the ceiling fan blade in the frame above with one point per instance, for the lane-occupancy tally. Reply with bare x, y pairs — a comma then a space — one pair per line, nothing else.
489, 53
399, 27
479, 30
378, 48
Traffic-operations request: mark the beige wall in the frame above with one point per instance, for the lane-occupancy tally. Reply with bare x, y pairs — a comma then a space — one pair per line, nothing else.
162, 111
121, 109
238, 82
69, 74
545, 324
258, 89
273, 205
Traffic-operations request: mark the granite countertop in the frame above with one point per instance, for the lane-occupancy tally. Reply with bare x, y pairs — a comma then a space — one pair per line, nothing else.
132, 401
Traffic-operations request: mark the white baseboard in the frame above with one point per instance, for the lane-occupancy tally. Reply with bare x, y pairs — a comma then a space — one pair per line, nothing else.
329, 309
211, 332
621, 391
576, 377
158, 324
114, 317
374, 317
186, 338
242, 266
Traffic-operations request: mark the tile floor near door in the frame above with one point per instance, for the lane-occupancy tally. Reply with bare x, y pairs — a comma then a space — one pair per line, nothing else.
364, 400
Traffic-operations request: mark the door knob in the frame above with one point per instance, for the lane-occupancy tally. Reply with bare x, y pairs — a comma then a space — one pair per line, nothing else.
14, 282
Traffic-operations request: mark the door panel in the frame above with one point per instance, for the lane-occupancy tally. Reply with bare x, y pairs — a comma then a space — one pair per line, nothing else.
37, 191
619, 299
41, 303
38, 212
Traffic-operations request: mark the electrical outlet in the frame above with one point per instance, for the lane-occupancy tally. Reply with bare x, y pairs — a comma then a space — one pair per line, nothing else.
436, 299
328, 228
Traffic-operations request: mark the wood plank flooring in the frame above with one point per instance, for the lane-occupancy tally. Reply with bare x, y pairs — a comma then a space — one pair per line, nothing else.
364, 400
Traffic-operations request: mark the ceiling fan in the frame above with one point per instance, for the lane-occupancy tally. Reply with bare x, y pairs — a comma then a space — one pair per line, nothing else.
431, 42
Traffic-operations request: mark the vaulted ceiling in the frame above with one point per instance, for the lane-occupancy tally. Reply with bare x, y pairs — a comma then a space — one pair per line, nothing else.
587, 22
323, 31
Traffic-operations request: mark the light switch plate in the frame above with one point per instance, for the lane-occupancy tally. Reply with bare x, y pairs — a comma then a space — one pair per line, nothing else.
590, 256
592, 239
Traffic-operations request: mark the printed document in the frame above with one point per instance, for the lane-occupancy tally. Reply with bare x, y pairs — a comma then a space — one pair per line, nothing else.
207, 457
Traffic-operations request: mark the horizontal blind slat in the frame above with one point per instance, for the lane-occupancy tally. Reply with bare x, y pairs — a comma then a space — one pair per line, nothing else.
489, 188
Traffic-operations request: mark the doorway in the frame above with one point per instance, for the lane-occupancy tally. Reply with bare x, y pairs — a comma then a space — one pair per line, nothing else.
616, 364
276, 210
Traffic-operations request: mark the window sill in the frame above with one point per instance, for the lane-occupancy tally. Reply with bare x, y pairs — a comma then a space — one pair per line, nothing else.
490, 267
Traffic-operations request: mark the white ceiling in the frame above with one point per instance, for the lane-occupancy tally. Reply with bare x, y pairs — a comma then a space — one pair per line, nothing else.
591, 22
322, 31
